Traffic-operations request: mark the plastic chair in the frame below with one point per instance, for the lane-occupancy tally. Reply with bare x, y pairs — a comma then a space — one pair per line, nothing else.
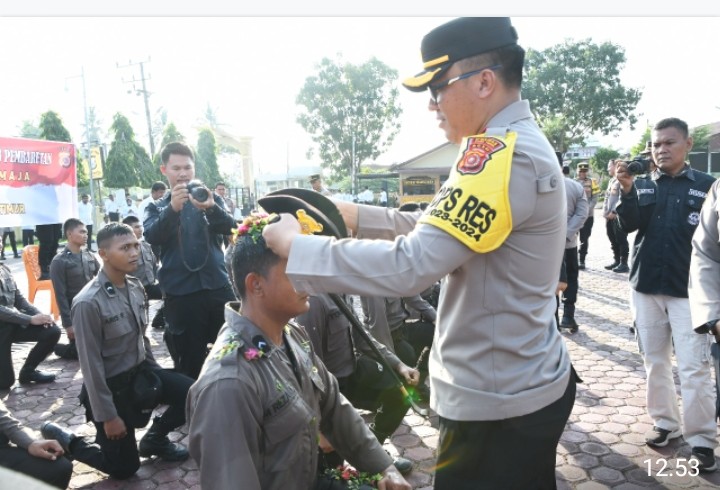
32, 269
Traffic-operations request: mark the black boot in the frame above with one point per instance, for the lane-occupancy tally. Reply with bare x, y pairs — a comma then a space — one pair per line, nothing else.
28, 375
581, 263
64, 437
67, 351
158, 320
155, 442
568, 319
615, 263
623, 267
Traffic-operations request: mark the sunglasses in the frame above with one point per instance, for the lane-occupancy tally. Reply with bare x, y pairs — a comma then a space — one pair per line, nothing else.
435, 89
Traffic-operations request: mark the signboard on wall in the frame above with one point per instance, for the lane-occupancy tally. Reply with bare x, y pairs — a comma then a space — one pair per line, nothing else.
38, 182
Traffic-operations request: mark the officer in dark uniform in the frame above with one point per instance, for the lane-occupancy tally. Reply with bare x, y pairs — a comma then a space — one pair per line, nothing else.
147, 261
70, 270
361, 378
109, 316
20, 321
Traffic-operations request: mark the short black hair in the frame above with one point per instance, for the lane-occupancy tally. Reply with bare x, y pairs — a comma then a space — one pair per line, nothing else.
511, 58
176, 148
250, 255
673, 122
70, 224
111, 230
85, 195
220, 183
131, 220
409, 207
158, 186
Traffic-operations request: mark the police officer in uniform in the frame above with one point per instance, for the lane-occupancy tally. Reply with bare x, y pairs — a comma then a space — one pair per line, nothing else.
21, 321
500, 375
263, 396
592, 191
361, 378
109, 317
147, 262
70, 270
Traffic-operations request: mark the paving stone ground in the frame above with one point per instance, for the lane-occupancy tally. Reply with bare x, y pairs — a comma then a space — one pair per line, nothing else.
602, 446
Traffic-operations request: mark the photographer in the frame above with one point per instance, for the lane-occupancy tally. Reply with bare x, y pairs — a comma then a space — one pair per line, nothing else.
664, 208
185, 224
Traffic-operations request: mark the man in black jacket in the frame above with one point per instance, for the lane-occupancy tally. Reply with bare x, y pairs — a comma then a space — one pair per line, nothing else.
664, 209
192, 272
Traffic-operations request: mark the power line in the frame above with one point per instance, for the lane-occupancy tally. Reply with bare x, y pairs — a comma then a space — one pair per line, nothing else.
145, 95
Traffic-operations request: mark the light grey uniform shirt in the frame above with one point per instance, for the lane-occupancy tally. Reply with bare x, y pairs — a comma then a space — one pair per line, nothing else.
612, 196
704, 283
12, 431
147, 265
497, 352
109, 325
70, 272
577, 211
254, 424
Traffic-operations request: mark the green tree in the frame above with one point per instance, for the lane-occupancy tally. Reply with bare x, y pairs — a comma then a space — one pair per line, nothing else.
701, 137
577, 85
348, 105
599, 161
28, 129
206, 166
127, 163
52, 129
642, 144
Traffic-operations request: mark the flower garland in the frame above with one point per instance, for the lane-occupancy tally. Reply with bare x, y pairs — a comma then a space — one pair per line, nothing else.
253, 226
353, 478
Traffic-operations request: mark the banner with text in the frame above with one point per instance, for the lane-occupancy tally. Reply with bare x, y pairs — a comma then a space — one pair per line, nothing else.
38, 182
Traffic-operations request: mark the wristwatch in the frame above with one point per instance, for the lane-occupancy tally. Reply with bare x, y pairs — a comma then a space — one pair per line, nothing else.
708, 327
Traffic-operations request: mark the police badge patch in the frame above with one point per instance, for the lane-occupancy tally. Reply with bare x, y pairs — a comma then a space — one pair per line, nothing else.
694, 218
478, 152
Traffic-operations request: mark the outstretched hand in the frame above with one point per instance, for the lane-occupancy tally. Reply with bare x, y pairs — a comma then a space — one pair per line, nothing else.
279, 234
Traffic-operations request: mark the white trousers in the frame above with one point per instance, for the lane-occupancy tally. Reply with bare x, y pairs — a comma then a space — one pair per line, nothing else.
663, 322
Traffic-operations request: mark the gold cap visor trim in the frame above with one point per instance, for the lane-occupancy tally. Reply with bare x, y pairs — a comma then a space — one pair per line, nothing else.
419, 82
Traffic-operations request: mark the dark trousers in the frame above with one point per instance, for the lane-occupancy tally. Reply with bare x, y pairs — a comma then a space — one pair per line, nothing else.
484, 455
90, 240
194, 321
571, 267
119, 458
379, 395
11, 333
114, 217
618, 240
49, 238
410, 340
28, 237
13, 244
585, 233
153, 291
55, 473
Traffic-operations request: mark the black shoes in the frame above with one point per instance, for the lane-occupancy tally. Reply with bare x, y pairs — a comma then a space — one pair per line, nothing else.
623, 267
610, 267
705, 457
581, 265
66, 351
569, 323
50, 430
154, 443
659, 437
404, 466
35, 376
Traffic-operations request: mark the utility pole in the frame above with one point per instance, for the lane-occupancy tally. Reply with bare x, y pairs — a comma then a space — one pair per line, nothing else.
145, 95
86, 145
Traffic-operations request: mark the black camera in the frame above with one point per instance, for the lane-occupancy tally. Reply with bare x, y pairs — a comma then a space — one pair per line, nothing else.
638, 165
198, 190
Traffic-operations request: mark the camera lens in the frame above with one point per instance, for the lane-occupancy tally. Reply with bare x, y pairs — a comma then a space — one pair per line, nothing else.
200, 194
